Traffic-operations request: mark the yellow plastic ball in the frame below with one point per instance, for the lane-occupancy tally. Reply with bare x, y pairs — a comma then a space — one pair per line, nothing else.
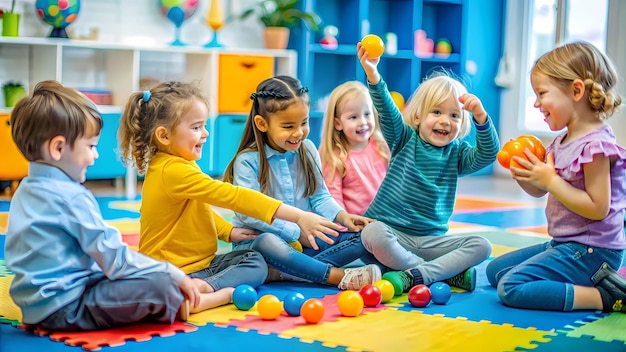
350, 303
386, 289
374, 45
269, 307
398, 99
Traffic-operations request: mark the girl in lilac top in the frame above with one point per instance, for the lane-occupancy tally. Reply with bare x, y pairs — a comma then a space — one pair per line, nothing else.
354, 155
583, 174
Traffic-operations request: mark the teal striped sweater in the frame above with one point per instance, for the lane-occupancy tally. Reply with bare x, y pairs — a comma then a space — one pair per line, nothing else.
417, 196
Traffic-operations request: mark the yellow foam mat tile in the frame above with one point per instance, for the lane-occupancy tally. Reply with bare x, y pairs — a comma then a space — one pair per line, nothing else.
220, 315
4, 222
8, 309
126, 205
125, 226
392, 330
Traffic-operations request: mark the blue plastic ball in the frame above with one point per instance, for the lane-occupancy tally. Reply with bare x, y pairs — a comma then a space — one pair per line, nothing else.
244, 297
440, 292
292, 303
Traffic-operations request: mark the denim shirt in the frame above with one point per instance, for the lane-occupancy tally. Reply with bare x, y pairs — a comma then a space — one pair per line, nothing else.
57, 244
286, 183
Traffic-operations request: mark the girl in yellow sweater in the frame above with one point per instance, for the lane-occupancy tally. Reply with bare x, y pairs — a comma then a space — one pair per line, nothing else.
162, 132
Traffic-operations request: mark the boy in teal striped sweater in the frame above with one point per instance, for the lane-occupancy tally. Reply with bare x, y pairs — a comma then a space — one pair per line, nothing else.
416, 199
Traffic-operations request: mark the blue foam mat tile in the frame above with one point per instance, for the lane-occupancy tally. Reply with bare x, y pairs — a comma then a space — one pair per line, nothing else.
483, 304
281, 289
561, 342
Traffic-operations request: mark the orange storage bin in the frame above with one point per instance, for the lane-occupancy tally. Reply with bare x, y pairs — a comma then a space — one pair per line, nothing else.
239, 75
13, 165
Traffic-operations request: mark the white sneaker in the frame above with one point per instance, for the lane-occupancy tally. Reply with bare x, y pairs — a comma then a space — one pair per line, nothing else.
355, 278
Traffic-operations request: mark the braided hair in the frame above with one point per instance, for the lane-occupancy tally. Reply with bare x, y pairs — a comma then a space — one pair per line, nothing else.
274, 95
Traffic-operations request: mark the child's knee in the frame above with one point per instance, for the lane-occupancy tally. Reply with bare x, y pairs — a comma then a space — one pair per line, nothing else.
482, 247
373, 234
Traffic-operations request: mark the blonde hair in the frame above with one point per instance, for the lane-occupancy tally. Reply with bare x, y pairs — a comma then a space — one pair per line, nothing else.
583, 61
52, 110
434, 91
274, 95
163, 105
334, 147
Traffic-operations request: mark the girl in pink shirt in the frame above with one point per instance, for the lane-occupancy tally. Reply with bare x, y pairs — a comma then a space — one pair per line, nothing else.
354, 154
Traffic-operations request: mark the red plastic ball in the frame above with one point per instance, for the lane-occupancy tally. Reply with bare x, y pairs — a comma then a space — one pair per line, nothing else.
371, 295
419, 296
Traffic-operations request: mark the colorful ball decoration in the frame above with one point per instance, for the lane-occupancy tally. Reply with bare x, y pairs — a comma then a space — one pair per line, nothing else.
58, 13
177, 12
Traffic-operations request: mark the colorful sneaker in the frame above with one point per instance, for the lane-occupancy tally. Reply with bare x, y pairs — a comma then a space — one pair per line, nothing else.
465, 280
183, 312
402, 281
355, 278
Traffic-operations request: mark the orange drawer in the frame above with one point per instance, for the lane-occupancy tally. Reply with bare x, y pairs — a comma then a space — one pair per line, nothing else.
13, 165
239, 75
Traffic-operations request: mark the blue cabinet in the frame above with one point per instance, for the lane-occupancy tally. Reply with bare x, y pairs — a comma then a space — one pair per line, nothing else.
224, 136
109, 164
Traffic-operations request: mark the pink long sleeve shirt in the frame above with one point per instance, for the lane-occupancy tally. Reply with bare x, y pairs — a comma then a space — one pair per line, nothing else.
365, 171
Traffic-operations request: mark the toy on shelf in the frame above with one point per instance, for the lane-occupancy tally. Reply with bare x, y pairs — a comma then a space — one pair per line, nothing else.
515, 147
329, 41
391, 45
374, 45
215, 20
443, 49
58, 13
177, 12
423, 45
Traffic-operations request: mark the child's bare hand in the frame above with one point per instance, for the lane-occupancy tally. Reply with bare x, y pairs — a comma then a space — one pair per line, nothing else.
190, 291
312, 225
240, 234
352, 222
369, 65
472, 104
535, 171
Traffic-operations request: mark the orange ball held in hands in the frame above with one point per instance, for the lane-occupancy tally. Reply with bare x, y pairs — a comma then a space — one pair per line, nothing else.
373, 45
515, 147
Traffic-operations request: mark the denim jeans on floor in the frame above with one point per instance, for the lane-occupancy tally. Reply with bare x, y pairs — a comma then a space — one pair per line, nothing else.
437, 257
233, 269
311, 265
543, 276
105, 304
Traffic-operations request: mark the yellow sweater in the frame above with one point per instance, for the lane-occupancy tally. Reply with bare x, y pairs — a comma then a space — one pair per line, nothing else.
177, 221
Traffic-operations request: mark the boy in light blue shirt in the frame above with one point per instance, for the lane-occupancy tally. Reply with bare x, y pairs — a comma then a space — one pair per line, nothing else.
72, 271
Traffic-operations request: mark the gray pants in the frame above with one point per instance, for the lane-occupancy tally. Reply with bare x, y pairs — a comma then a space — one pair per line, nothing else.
106, 304
437, 257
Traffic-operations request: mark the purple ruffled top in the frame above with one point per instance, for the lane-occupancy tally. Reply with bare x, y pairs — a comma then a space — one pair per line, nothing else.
569, 158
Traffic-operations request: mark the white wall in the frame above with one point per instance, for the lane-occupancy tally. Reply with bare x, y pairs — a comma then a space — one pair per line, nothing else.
141, 21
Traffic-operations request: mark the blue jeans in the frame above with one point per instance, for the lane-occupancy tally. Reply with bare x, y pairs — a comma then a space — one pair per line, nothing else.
106, 304
310, 265
543, 276
436, 257
233, 269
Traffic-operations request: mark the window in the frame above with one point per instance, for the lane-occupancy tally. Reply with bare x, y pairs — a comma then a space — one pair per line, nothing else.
553, 22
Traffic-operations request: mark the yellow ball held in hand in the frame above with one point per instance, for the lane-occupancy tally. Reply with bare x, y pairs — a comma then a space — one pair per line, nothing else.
374, 45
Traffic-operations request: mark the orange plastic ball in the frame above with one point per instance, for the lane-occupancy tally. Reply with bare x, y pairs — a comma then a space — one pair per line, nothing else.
350, 303
515, 147
312, 311
386, 289
269, 307
374, 45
